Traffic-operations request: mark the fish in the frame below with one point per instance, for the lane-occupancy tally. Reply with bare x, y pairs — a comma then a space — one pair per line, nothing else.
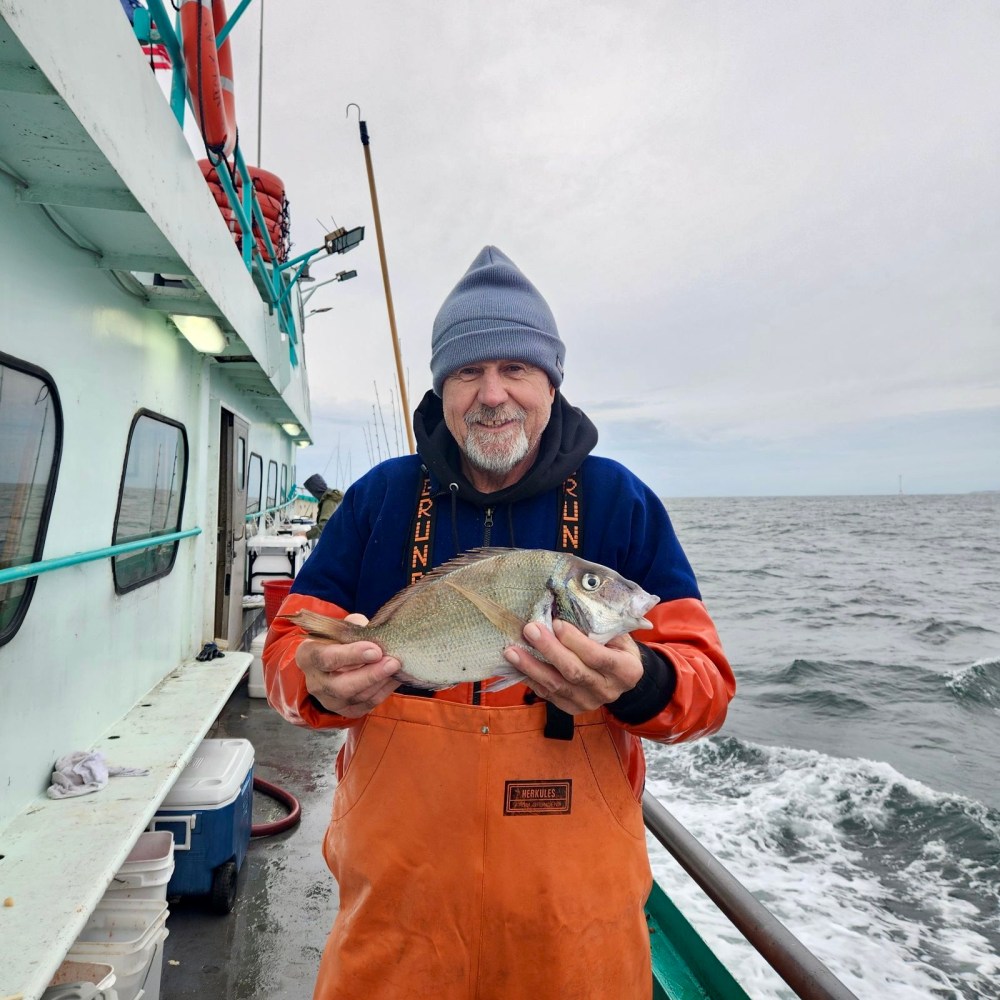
452, 625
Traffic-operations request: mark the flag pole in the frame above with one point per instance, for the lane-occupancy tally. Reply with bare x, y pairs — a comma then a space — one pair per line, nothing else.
404, 400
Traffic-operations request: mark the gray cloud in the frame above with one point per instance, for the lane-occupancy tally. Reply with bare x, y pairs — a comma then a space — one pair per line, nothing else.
765, 227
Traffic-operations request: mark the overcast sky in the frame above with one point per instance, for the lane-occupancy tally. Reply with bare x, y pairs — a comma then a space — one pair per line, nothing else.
769, 232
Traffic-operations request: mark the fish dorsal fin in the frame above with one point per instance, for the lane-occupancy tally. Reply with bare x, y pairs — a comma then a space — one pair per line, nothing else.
432, 576
506, 621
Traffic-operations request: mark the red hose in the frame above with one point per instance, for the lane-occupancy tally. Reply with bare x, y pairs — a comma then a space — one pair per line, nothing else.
286, 799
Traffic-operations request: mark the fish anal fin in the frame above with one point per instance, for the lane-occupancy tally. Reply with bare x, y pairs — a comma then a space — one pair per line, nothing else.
502, 681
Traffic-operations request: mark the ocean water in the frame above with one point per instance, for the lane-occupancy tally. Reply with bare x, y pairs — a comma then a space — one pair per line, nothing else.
855, 788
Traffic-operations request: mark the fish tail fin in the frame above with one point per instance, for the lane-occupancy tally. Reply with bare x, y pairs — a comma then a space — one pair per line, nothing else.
324, 627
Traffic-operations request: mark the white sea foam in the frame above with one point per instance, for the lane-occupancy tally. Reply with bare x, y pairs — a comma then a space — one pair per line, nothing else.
980, 680
781, 822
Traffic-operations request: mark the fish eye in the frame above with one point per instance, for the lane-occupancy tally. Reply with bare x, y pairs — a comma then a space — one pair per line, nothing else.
590, 581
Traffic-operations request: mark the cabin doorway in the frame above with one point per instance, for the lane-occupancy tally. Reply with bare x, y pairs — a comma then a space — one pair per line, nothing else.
232, 539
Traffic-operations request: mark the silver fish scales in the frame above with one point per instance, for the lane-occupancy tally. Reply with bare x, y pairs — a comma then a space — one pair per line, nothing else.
453, 624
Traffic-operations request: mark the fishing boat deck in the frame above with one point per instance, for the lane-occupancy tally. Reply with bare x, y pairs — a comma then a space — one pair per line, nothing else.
270, 944
48, 900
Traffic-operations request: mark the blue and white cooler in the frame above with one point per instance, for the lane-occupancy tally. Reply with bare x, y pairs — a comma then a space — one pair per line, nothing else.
210, 813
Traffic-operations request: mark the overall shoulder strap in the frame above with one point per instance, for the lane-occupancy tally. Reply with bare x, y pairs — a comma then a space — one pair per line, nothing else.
422, 530
559, 724
421, 550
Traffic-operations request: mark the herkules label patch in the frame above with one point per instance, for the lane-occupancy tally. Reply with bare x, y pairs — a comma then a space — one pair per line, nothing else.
537, 798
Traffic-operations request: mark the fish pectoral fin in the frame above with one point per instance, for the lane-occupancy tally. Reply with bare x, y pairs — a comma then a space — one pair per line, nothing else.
505, 620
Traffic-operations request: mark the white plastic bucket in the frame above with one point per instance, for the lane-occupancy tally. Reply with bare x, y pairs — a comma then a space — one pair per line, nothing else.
147, 870
82, 981
127, 934
255, 683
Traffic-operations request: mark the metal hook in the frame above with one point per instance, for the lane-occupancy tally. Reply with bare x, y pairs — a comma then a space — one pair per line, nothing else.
347, 110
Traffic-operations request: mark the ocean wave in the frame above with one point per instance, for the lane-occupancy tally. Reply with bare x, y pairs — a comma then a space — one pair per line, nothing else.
819, 686
977, 684
937, 632
888, 881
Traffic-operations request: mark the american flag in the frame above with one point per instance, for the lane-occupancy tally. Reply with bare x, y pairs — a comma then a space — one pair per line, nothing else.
157, 55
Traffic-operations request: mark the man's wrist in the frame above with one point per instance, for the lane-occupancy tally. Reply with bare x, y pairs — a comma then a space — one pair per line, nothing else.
653, 692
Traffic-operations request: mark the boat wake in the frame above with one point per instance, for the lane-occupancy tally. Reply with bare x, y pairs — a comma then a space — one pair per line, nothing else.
890, 883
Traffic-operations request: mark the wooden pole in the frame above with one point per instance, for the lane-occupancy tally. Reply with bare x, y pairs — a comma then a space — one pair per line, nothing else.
388, 291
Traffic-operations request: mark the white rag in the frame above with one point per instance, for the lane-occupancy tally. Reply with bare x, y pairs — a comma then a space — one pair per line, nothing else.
85, 771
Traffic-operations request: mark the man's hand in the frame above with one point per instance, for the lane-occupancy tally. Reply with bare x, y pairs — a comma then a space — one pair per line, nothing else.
349, 679
581, 674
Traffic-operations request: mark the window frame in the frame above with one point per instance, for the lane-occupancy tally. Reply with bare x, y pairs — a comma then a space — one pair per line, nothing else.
152, 414
271, 499
45, 513
260, 491
241, 457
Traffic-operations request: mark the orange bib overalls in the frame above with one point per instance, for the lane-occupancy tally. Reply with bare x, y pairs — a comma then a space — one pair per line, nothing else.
479, 861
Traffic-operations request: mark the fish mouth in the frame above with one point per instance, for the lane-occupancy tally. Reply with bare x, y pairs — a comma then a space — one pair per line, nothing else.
638, 606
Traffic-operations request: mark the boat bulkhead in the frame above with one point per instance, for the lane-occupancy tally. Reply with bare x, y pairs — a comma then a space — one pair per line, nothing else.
153, 396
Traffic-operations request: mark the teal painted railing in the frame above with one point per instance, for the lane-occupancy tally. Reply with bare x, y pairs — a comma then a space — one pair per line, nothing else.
13, 573
275, 280
270, 510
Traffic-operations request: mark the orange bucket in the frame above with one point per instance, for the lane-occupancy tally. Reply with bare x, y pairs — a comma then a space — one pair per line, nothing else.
275, 591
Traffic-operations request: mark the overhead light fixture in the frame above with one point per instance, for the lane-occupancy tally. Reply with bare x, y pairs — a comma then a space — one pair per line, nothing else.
291, 428
302, 444
201, 332
341, 240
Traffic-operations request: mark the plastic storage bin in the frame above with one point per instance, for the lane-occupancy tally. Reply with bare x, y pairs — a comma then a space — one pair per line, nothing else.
128, 935
210, 813
147, 870
82, 981
255, 682
274, 557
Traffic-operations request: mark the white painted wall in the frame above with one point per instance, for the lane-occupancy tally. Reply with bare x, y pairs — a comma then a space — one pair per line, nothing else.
84, 655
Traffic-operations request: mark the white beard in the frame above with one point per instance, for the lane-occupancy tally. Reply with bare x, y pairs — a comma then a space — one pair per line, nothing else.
496, 454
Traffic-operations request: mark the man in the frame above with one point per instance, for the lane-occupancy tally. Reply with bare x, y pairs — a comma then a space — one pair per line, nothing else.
489, 844
328, 500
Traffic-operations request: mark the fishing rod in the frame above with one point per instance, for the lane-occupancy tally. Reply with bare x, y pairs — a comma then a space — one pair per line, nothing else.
363, 128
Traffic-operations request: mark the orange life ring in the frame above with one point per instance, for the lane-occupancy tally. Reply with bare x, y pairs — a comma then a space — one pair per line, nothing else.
210, 79
271, 209
270, 191
273, 228
264, 180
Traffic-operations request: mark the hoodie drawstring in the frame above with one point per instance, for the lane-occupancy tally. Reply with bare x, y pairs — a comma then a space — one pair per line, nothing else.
453, 489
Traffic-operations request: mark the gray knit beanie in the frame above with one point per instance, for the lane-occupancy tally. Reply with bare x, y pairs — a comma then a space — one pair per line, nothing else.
495, 312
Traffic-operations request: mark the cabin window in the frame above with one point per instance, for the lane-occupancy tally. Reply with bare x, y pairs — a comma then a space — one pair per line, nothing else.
272, 485
255, 474
30, 446
151, 498
241, 461
284, 482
